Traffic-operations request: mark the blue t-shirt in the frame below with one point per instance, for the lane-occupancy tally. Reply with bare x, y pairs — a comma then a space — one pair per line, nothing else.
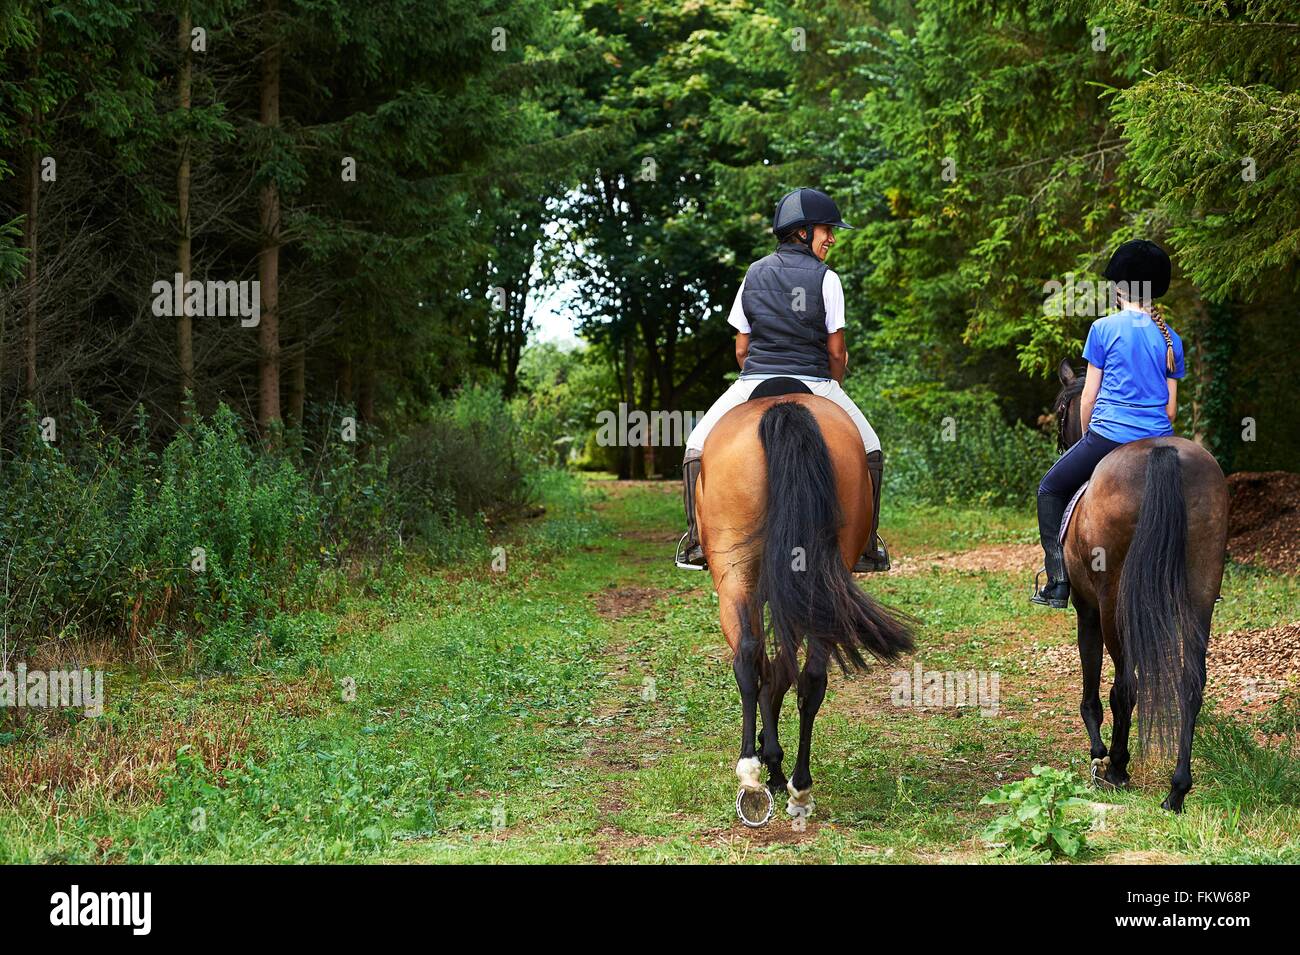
1130, 351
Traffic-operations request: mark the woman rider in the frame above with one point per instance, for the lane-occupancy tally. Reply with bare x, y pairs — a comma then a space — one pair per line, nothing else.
789, 321
1131, 392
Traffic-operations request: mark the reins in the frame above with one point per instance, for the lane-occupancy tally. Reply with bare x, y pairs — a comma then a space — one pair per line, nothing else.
1063, 402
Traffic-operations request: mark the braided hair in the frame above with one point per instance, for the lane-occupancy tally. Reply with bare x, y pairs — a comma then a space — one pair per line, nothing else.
1158, 316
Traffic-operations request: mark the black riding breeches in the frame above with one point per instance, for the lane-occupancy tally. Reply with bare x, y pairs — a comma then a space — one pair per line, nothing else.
1076, 466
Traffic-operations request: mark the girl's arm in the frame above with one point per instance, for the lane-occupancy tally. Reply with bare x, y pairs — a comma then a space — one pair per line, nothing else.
1171, 409
839, 352
1091, 386
742, 348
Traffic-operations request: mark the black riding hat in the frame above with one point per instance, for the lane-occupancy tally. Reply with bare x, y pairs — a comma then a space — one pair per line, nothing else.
806, 207
1140, 260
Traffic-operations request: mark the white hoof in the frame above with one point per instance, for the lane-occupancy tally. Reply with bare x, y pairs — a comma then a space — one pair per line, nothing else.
747, 771
800, 802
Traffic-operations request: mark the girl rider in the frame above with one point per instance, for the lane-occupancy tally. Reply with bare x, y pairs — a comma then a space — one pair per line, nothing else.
1131, 392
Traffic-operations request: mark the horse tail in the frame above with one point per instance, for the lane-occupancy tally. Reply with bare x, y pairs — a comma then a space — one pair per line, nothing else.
802, 580
1159, 633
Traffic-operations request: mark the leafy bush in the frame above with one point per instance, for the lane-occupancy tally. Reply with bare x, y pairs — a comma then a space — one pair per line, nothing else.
114, 538
351, 479
564, 390
468, 459
1038, 822
944, 447
209, 540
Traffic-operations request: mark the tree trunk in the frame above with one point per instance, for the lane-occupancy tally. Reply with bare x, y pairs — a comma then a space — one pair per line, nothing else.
184, 323
626, 452
31, 193
366, 396
516, 336
268, 257
647, 402
298, 378
31, 207
343, 379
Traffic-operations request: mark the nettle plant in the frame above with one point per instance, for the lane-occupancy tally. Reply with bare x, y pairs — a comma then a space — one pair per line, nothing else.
1038, 820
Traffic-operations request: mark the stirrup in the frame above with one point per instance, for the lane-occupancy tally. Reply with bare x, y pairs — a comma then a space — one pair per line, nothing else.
877, 563
1037, 596
680, 557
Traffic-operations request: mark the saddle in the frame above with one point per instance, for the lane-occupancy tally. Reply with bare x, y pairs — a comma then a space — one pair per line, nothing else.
1069, 512
781, 385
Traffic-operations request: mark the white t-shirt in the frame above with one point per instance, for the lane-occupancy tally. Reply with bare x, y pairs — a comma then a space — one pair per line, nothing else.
832, 298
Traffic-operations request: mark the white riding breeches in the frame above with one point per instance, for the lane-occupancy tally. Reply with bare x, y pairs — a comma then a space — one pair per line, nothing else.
740, 391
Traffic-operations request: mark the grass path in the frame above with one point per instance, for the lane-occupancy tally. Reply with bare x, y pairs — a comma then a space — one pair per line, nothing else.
653, 781
580, 707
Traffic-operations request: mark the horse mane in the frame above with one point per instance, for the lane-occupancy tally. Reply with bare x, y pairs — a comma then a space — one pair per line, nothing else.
1063, 401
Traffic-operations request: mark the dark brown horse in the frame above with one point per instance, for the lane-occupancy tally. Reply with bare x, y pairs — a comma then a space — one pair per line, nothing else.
784, 510
1144, 555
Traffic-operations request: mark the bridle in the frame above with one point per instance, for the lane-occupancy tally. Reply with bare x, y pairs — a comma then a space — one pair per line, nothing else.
1063, 401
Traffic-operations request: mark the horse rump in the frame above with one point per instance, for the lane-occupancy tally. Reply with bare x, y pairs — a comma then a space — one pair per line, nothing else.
802, 581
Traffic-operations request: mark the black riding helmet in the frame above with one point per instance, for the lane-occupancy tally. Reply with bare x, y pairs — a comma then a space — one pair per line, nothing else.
805, 207
1140, 260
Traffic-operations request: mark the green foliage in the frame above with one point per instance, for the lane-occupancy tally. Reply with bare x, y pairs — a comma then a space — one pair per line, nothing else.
1039, 821
1245, 771
468, 459
564, 391
111, 537
211, 540
947, 447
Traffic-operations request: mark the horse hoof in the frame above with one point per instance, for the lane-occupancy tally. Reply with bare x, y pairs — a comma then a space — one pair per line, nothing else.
1100, 765
747, 771
745, 798
800, 805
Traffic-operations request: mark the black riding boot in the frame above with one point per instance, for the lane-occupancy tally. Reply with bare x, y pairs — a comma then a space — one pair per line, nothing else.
1057, 592
875, 558
690, 556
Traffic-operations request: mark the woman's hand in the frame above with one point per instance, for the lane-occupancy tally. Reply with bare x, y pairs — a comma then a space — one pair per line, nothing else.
742, 348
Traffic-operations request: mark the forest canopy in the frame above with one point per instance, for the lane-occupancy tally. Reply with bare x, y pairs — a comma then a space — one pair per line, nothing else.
391, 188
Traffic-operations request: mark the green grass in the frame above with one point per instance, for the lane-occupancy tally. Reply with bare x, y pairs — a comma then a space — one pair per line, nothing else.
498, 717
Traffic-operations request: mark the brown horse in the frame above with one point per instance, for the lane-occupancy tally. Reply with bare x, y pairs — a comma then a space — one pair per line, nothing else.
784, 510
1144, 554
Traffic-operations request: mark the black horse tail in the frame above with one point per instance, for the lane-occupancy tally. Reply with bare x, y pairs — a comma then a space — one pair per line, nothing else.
802, 580
1159, 633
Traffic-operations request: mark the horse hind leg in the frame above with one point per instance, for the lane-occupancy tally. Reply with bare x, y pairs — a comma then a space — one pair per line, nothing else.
1191, 696
1122, 701
812, 690
1123, 697
748, 670
754, 803
1090, 654
770, 695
